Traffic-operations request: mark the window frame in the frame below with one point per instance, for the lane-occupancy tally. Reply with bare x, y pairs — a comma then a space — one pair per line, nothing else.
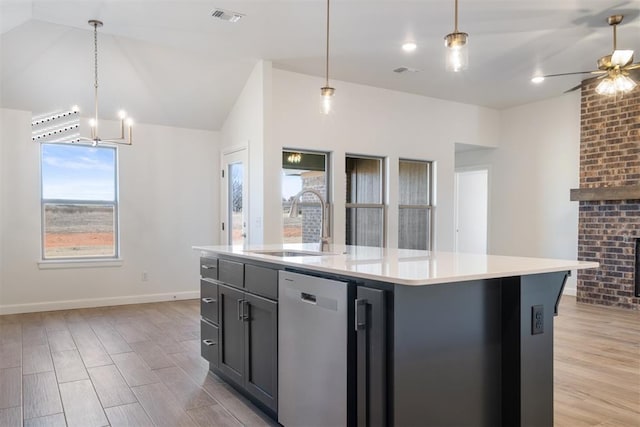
382, 206
328, 180
115, 204
429, 207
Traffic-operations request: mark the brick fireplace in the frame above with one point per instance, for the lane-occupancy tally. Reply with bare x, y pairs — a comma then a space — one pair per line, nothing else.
609, 195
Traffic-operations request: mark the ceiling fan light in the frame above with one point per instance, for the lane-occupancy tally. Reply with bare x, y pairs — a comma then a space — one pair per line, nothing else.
457, 52
624, 84
537, 79
606, 87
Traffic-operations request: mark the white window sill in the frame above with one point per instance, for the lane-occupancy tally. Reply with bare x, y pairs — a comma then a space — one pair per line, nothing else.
79, 263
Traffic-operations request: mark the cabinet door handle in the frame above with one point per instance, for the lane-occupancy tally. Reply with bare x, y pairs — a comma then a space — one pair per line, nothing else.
240, 309
360, 314
245, 310
208, 343
205, 267
209, 300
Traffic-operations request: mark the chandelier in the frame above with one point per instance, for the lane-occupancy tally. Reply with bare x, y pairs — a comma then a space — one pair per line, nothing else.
126, 124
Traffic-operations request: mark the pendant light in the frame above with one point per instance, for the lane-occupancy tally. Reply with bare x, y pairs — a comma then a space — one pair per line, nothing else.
124, 120
457, 58
326, 92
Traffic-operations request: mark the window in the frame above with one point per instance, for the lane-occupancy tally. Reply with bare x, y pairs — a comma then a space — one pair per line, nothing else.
79, 201
304, 170
415, 210
365, 216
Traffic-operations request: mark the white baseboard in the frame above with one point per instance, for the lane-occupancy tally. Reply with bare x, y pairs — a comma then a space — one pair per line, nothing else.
96, 302
570, 291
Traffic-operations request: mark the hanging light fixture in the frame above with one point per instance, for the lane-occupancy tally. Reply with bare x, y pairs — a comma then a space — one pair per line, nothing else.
617, 66
326, 92
457, 43
124, 120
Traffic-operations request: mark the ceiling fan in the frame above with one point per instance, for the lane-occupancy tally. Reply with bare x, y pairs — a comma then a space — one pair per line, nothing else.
616, 72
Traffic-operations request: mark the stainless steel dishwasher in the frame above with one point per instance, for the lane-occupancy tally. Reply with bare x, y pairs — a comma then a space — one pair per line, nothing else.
312, 351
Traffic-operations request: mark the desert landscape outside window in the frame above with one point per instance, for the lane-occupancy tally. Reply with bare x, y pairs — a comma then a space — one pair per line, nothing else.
79, 201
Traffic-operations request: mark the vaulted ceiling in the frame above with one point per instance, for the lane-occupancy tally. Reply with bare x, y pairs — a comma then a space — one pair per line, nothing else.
169, 62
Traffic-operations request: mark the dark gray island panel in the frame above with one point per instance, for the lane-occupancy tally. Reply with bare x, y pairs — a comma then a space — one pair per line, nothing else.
464, 353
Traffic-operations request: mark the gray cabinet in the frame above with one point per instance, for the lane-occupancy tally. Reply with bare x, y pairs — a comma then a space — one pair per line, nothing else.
231, 345
248, 350
240, 326
261, 349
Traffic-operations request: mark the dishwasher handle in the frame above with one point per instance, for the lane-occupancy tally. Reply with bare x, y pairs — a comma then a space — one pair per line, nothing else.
308, 298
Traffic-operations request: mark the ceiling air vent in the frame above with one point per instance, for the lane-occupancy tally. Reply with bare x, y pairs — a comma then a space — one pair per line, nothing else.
226, 15
401, 70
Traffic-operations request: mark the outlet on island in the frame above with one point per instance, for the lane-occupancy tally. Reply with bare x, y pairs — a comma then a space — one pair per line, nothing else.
537, 319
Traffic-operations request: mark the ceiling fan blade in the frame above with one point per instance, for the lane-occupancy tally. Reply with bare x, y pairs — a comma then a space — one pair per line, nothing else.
632, 66
576, 87
621, 57
575, 73
584, 82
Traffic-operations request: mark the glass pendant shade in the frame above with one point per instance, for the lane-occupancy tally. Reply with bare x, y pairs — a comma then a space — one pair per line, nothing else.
457, 52
326, 99
611, 86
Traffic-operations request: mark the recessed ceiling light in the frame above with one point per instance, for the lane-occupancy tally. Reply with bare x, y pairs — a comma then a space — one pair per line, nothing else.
537, 79
409, 46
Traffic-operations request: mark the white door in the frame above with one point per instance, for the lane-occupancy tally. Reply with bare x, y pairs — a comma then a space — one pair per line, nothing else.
235, 206
471, 210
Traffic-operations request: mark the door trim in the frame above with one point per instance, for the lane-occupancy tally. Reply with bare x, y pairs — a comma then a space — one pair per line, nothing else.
224, 196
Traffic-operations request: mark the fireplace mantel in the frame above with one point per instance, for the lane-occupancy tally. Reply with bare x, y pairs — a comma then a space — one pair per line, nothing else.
626, 192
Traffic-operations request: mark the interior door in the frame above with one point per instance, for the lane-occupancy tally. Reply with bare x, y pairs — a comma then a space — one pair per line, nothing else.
235, 179
471, 210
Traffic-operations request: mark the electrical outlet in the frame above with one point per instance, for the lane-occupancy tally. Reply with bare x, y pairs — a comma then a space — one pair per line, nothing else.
537, 319
145, 276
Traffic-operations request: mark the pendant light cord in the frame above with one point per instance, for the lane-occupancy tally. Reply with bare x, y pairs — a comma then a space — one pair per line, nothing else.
456, 17
327, 59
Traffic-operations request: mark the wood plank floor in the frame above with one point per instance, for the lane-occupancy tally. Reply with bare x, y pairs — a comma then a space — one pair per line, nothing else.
140, 365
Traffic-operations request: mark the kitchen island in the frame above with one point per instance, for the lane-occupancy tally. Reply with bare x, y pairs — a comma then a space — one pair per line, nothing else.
433, 338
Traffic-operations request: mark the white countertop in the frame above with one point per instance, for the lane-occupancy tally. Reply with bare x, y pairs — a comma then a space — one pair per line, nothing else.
402, 266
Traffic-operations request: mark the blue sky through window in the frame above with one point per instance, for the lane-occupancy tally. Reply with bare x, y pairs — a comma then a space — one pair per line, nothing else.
78, 172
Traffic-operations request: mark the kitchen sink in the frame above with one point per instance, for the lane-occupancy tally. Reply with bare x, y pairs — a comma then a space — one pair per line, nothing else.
284, 253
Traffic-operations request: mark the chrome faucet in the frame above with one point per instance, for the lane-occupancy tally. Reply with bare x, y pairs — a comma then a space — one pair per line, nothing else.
293, 213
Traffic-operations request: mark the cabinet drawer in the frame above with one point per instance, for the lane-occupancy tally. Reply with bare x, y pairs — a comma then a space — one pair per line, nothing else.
231, 273
262, 281
209, 300
209, 342
209, 268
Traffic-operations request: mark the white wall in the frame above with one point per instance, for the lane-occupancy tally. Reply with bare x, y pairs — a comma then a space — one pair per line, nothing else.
2, 204
168, 202
247, 126
536, 164
376, 122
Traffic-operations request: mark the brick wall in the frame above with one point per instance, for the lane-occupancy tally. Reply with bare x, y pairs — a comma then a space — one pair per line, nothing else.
312, 215
609, 157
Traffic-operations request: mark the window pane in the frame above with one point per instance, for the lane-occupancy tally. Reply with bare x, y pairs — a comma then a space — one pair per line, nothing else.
413, 228
364, 180
78, 172
364, 226
414, 183
72, 231
301, 170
